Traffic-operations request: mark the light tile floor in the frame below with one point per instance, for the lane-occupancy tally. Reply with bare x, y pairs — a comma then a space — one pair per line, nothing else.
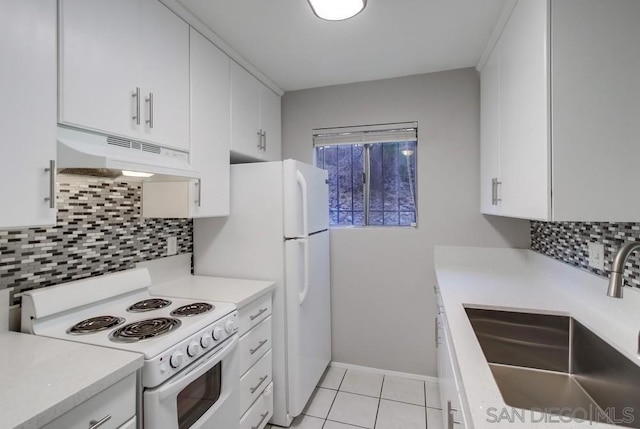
351, 399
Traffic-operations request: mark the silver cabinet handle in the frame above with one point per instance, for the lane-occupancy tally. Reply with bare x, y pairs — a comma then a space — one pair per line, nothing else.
494, 191
262, 417
255, 316
260, 344
450, 420
136, 95
264, 141
260, 139
199, 186
436, 333
262, 379
150, 101
52, 184
97, 423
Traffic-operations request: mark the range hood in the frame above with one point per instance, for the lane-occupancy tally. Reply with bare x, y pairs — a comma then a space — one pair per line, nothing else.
79, 149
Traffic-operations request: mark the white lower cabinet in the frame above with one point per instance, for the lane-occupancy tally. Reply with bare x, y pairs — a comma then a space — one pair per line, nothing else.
451, 392
260, 412
256, 366
113, 408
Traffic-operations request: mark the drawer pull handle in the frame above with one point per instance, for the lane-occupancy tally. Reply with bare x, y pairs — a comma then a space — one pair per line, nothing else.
257, 386
258, 314
260, 344
262, 417
97, 423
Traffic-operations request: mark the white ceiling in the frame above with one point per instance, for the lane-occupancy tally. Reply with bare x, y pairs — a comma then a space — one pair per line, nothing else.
390, 38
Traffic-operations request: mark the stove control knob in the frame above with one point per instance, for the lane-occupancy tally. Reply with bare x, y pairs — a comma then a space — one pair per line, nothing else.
217, 332
193, 349
206, 341
176, 360
230, 326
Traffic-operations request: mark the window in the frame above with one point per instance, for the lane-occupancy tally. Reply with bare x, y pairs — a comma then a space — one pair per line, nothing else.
372, 174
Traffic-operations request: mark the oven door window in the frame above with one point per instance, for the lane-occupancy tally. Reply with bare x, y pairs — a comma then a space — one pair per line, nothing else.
196, 399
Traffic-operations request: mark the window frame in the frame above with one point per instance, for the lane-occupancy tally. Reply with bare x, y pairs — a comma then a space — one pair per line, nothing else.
366, 190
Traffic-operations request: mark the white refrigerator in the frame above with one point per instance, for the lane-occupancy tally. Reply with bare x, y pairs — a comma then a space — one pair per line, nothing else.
278, 230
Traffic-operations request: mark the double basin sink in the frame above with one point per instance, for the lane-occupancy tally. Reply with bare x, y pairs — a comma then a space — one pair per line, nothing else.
554, 365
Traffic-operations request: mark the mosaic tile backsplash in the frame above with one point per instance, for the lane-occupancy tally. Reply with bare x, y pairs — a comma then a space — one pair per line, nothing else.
99, 230
568, 242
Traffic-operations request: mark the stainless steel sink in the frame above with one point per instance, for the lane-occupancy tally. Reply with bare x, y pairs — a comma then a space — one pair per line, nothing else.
555, 365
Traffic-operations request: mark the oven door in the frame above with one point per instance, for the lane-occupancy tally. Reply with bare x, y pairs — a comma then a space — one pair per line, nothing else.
205, 396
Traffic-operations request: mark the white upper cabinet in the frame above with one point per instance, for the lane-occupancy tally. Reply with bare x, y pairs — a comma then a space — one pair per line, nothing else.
165, 76
124, 70
490, 133
559, 112
210, 126
28, 112
255, 118
271, 124
210, 142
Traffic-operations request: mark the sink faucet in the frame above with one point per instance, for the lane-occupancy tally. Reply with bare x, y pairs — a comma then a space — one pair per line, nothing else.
616, 280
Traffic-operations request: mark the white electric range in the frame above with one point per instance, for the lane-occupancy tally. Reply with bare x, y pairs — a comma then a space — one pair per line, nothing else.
189, 377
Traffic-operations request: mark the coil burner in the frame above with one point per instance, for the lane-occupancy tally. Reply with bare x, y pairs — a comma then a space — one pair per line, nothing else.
192, 309
148, 305
144, 330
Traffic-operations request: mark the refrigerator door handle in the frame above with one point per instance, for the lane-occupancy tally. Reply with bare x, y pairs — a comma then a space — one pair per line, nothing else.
305, 288
305, 202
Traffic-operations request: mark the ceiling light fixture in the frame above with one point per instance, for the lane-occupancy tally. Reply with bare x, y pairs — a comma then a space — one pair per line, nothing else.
337, 10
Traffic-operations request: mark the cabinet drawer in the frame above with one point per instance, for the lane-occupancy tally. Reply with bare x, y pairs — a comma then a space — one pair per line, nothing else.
254, 313
254, 381
260, 413
118, 401
255, 344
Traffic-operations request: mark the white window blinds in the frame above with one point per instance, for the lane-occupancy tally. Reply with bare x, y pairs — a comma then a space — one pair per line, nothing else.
385, 133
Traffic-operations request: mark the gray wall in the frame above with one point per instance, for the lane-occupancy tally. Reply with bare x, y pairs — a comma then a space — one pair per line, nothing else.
383, 307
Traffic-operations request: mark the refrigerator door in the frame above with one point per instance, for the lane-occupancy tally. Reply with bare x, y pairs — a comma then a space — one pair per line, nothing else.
308, 316
306, 199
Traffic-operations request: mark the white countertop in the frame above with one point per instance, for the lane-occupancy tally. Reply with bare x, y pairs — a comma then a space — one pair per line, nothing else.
523, 280
43, 378
237, 291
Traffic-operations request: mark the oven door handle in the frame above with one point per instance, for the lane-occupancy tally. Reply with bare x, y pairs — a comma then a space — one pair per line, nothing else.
182, 380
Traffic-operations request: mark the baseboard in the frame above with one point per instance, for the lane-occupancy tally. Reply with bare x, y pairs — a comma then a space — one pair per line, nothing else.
385, 372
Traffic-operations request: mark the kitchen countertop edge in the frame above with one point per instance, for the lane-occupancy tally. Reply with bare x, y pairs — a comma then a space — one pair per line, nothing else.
523, 280
122, 364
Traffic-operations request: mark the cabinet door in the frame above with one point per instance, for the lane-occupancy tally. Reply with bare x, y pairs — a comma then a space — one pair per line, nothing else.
164, 56
490, 133
271, 124
210, 126
245, 116
99, 45
524, 117
27, 111
596, 109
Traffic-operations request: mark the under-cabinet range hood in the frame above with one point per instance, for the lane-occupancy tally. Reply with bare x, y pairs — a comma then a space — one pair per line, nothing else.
79, 149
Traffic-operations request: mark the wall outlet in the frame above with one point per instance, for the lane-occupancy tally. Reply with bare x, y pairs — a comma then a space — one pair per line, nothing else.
596, 256
172, 246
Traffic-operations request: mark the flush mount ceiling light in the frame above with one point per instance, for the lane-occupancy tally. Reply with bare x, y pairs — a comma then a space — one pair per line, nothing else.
337, 10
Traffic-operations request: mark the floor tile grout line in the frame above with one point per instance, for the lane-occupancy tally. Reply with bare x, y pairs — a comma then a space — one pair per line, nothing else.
426, 414
381, 398
375, 421
343, 423
334, 398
